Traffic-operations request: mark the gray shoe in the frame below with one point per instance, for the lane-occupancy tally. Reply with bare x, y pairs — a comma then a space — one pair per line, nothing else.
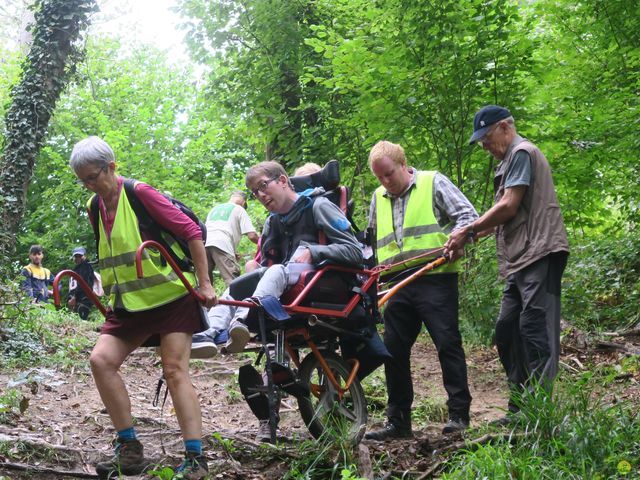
203, 346
193, 467
264, 432
455, 425
238, 336
128, 460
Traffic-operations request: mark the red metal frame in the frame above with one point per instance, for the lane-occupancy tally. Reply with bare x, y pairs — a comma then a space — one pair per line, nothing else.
85, 287
293, 308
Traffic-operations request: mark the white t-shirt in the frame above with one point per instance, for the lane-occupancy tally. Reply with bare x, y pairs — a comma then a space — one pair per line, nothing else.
226, 223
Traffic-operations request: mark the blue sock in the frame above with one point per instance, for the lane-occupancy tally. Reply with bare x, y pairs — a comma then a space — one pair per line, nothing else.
193, 446
127, 434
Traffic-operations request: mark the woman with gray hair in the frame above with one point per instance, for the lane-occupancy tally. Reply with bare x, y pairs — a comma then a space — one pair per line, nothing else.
155, 310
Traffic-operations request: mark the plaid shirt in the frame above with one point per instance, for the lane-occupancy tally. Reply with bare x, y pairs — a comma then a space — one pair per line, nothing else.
451, 208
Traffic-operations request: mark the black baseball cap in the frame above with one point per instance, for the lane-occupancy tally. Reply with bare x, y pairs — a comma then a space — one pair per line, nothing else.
485, 118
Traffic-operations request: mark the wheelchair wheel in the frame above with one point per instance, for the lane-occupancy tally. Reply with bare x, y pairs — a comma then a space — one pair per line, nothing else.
323, 412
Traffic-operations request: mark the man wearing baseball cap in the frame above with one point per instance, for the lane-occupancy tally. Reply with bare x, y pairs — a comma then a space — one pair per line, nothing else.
532, 250
78, 300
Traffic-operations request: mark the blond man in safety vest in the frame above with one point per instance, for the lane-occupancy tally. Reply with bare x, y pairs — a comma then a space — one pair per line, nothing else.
411, 214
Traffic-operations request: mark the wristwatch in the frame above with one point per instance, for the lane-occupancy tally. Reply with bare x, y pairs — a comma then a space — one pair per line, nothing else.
471, 235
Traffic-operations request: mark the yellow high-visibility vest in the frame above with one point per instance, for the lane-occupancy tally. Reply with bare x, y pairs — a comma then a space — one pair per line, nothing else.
117, 254
420, 230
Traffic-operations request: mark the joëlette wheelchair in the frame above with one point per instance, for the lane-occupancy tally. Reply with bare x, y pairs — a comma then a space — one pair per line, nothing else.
315, 337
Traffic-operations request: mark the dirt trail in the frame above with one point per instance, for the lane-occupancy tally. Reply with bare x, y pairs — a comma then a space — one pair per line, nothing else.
65, 427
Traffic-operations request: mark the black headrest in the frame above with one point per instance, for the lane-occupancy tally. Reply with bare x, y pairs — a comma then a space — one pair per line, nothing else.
327, 178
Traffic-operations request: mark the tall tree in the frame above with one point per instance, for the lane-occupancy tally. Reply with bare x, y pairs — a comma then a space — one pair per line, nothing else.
54, 52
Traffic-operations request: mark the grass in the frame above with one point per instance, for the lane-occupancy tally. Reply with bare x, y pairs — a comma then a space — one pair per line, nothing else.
577, 435
41, 336
29, 453
429, 410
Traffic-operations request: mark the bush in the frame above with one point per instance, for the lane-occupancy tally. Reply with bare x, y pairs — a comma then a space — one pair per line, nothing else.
601, 287
575, 436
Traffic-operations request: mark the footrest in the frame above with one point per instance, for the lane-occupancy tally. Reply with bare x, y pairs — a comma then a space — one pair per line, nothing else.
285, 379
251, 386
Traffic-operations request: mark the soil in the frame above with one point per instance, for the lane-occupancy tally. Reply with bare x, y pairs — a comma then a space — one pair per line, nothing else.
64, 427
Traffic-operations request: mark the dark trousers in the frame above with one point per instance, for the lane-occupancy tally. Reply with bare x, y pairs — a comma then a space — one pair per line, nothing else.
528, 327
431, 300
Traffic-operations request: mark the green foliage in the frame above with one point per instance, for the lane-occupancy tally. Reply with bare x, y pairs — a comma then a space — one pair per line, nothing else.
38, 335
601, 286
10, 405
577, 435
479, 293
45, 72
429, 410
163, 473
330, 457
227, 444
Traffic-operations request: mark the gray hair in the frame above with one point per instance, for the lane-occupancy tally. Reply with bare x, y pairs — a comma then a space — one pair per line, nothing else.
239, 194
91, 151
511, 123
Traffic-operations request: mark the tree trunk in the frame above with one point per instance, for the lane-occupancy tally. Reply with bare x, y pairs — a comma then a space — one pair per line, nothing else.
57, 27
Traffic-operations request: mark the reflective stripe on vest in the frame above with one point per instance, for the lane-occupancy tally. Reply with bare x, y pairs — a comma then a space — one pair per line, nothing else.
160, 284
421, 232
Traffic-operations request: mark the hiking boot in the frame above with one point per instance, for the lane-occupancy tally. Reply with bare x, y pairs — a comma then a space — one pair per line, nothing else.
455, 425
511, 419
128, 460
239, 336
264, 432
193, 467
203, 346
389, 432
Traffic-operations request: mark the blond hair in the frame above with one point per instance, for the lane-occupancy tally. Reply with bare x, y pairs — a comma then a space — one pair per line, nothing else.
384, 149
307, 169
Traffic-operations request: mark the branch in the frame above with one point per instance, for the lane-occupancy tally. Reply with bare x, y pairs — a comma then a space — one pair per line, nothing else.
33, 468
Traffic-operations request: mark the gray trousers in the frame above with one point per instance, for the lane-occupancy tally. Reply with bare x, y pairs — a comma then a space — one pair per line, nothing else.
528, 327
220, 316
275, 281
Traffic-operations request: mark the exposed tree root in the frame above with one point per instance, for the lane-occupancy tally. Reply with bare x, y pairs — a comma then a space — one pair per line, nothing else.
51, 471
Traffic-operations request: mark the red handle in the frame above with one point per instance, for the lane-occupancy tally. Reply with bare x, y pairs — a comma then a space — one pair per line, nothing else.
85, 287
174, 266
170, 261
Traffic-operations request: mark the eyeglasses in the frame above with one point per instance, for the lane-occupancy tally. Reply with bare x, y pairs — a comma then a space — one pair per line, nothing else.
485, 138
262, 186
92, 178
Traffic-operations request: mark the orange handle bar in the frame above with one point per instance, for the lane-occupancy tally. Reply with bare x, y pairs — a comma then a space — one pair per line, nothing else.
429, 266
85, 288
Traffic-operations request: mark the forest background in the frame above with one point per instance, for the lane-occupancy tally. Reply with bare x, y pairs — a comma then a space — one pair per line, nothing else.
305, 80
313, 80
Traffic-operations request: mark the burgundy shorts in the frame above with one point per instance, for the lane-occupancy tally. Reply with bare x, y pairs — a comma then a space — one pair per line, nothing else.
182, 315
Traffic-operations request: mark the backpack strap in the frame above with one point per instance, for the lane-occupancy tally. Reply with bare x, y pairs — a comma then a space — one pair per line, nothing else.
94, 217
146, 222
144, 219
